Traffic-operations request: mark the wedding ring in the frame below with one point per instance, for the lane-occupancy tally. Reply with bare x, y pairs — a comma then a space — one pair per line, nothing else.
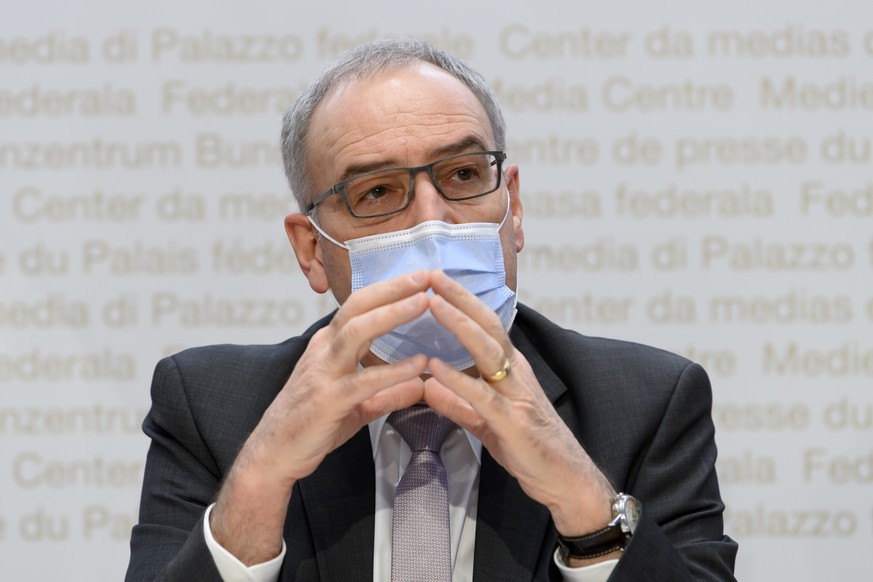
499, 374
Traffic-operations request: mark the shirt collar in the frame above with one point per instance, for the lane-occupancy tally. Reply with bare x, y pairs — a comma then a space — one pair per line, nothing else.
377, 426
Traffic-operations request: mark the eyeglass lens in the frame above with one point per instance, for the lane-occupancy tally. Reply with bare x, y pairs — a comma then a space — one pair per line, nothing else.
456, 178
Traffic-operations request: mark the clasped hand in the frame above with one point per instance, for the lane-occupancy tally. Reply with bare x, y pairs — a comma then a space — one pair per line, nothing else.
328, 398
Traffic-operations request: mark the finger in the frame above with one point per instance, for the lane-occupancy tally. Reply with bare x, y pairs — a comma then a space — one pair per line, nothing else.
489, 353
369, 382
469, 304
487, 403
449, 404
396, 397
381, 293
351, 341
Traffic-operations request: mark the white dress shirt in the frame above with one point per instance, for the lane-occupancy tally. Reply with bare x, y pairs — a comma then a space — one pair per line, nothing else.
461, 455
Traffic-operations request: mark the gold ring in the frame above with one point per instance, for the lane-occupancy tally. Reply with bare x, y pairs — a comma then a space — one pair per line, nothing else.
499, 374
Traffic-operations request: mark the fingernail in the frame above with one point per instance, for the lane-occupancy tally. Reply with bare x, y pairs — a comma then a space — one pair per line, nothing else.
417, 277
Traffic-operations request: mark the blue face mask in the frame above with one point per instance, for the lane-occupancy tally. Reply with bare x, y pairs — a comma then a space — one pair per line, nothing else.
471, 254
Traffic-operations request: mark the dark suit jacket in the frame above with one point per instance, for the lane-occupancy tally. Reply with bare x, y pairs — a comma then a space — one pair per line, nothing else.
642, 414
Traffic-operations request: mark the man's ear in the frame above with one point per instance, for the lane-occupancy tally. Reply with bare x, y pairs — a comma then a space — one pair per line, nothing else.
304, 241
513, 185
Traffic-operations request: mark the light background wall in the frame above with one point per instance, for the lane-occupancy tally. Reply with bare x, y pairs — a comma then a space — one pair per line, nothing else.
695, 176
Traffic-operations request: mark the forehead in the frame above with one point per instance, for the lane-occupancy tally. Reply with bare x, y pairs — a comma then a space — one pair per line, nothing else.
397, 117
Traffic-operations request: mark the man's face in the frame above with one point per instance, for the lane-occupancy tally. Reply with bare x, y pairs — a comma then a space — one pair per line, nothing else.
409, 117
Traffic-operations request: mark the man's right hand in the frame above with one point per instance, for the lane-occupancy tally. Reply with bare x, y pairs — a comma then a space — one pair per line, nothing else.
326, 400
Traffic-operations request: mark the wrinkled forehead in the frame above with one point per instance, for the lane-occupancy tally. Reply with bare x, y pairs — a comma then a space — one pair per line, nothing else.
397, 112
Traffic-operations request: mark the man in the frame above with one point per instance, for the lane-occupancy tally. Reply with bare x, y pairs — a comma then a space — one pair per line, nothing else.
410, 218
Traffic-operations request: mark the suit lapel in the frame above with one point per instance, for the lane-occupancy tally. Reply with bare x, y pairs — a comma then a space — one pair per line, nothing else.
510, 527
340, 502
514, 534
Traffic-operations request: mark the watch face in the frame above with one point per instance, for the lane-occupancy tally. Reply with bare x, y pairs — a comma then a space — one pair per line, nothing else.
629, 507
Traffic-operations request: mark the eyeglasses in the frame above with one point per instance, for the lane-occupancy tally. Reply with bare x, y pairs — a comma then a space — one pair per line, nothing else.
390, 190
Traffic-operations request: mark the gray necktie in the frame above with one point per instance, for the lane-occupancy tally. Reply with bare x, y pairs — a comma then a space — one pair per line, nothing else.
421, 541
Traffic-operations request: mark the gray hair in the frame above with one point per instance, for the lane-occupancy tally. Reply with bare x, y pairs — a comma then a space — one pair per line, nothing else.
360, 62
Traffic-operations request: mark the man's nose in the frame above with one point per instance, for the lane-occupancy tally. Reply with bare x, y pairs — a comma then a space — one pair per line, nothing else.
427, 204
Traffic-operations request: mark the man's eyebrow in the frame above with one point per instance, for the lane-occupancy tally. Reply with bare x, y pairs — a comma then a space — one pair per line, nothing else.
357, 169
466, 145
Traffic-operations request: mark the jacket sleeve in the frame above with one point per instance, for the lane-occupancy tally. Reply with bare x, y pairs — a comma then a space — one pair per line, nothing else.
181, 478
680, 535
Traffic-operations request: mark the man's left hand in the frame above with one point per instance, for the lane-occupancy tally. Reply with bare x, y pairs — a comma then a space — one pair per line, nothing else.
513, 417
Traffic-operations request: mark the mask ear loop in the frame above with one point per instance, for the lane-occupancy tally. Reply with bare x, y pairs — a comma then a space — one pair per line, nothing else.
508, 207
515, 292
334, 241
325, 235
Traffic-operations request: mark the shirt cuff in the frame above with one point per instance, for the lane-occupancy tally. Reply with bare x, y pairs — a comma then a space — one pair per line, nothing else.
231, 569
598, 572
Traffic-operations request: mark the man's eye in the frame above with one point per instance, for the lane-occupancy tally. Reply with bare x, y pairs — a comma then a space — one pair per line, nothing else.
374, 193
465, 174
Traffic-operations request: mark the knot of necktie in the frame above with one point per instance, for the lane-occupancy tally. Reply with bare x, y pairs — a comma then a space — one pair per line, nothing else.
421, 428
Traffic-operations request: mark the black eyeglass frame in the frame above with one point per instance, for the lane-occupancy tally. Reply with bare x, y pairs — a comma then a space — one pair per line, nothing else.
340, 187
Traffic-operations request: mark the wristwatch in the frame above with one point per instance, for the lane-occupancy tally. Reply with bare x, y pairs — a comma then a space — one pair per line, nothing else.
615, 536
